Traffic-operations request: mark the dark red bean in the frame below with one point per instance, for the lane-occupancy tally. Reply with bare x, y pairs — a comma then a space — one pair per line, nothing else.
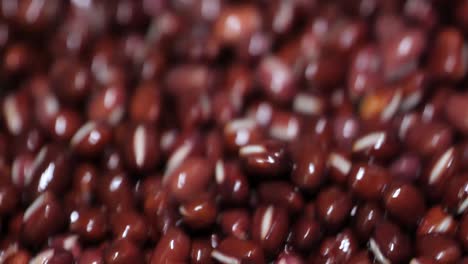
285, 126
91, 256
325, 72
406, 168
437, 221
232, 184
361, 257
174, 246
281, 194
71, 80
439, 171
456, 111
368, 181
107, 104
429, 138
237, 23
235, 223
270, 227
440, 248
19, 257
378, 144
289, 258
277, 79
91, 138
269, 159
142, 152
333, 207
44, 217
241, 132
201, 252
364, 74
389, 244
199, 213
380, 104
333, 249
190, 179
89, 223
339, 166
306, 233
232, 250
310, 165
9, 199
67, 242
401, 53
367, 216
64, 125
53, 256
463, 232
448, 56
129, 225
16, 112
122, 251
405, 202
261, 112
115, 192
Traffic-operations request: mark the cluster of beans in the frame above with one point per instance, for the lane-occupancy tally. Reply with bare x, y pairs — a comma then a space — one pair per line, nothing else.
233, 132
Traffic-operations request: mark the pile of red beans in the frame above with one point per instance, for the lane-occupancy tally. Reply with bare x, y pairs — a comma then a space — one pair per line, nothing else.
233, 132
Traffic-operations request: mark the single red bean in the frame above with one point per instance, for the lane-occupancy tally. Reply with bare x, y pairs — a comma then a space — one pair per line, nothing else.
438, 247
89, 223
405, 202
306, 233
232, 184
401, 53
281, 194
115, 191
437, 221
129, 225
277, 79
235, 223
448, 56
406, 168
270, 227
389, 244
456, 111
67, 242
50, 171
199, 212
285, 126
44, 217
91, 138
380, 104
237, 23
367, 216
174, 246
268, 158
107, 104
9, 199
364, 74
332, 248
325, 72
333, 207
378, 144
64, 125
310, 165
71, 80
142, 152
201, 252
429, 138
91, 256
190, 179
16, 112
232, 250
456, 194
122, 251
339, 166
53, 256
463, 232
241, 132
439, 171
368, 181
261, 112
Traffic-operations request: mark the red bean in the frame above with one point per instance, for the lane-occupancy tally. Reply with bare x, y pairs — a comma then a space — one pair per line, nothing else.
234, 250
91, 138
174, 246
456, 111
463, 232
437, 221
142, 152
201, 252
267, 158
199, 213
333, 207
247, 21
390, 244
447, 61
270, 227
190, 179
367, 216
44, 217
129, 225
368, 181
281, 194
122, 251
309, 170
405, 202
235, 223
89, 223
332, 248
439, 248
